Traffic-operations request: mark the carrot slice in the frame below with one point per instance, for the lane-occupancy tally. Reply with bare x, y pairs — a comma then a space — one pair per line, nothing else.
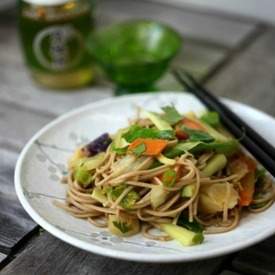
153, 147
192, 124
248, 188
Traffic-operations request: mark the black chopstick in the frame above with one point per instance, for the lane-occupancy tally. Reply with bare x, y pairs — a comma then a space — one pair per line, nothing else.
265, 145
253, 142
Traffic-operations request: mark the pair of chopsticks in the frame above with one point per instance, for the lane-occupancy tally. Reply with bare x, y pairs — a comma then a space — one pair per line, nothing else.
262, 150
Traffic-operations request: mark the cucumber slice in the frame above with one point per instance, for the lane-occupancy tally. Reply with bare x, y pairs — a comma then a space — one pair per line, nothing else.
182, 235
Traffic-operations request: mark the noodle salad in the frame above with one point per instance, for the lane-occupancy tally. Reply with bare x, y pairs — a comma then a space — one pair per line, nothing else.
168, 176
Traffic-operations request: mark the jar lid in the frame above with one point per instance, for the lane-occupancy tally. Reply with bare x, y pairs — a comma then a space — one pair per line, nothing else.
47, 2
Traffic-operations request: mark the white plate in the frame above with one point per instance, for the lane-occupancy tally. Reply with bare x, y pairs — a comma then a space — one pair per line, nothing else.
42, 162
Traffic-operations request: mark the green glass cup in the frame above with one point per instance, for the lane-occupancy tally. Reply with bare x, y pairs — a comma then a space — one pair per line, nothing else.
134, 54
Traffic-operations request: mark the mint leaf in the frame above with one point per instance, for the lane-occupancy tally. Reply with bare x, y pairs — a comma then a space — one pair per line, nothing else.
171, 115
136, 131
122, 226
211, 118
139, 150
196, 135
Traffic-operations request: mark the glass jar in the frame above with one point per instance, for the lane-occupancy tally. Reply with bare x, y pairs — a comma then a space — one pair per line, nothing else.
53, 36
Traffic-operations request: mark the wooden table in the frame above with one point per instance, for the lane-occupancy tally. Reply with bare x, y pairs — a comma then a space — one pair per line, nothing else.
234, 57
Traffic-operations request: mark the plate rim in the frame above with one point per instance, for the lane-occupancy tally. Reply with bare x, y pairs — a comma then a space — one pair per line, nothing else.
123, 255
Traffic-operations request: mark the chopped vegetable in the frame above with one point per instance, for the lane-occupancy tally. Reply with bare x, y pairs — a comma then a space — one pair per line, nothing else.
99, 196
157, 120
164, 160
169, 178
83, 176
92, 163
211, 118
192, 124
260, 175
192, 226
123, 165
213, 197
142, 163
156, 163
180, 133
180, 148
214, 165
120, 151
136, 131
171, 115
123, 225
139, 149
226, 148
158, 196
78, 155
98, 145
150, 147
248, 188
214, 133
182, 235
129, 200
120, 144
188, 191
116, 191
196, 135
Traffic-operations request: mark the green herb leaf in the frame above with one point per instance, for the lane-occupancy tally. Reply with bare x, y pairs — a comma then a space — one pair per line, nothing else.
211, 118
122, 226
196, 135
120, 151
139, 150
228, 148
137, 131
169, 177
180, 148
171, 115
192, 226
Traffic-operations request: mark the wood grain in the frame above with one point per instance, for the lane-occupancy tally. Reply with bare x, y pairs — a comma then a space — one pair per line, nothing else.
221, 31
259, 259
47, 255
18, 124
15, 223
3, 257
250, 75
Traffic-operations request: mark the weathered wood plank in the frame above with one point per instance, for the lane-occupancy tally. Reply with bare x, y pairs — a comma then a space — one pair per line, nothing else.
47, 255
18, 124
15, 223
249, 77
191, 24
3, 257
228, 272
259, 259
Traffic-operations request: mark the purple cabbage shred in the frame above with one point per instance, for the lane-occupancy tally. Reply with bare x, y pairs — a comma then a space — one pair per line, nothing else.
98, 145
